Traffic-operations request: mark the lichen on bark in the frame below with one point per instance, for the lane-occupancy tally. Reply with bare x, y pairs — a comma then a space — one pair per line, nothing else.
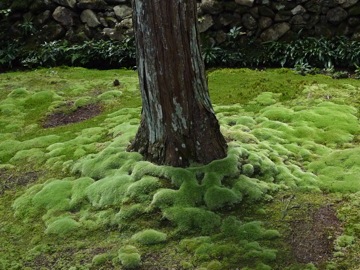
178, 124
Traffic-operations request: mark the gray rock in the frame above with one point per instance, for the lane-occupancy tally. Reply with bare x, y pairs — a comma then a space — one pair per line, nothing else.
38, 6
248, 3
220, 37
43, 17
92, 4
313, 6
356, 35
336, 15
211, 6
64, 16
254, 12
329, 3
343, 30
66, 3
355, 10
123, 12
111, 21
265, 22
51, 31
275, 32
266, 12
117, 2
226, 18
205, 22
76, 35
282, 17
323, 30
299, 9
126, 23
354, 21
103, 21
349, 3
249, 22
89, 17
298, 20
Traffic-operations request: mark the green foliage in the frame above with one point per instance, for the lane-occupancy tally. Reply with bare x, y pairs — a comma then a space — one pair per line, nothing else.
149, 237
100, 53
9, 54
307, 55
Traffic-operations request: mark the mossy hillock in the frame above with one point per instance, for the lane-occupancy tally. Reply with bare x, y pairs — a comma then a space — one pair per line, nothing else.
287, 136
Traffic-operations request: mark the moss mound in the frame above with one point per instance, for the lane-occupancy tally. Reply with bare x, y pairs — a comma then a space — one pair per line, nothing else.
282, 137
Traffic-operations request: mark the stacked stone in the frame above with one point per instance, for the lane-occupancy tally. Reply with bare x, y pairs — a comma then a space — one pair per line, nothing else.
262, 20
76, 20
266, 20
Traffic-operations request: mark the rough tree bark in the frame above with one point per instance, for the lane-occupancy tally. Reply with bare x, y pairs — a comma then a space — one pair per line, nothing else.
178, 124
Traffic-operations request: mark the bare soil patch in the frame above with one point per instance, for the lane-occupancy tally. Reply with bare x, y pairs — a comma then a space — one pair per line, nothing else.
64, 118
10, 180
312, 238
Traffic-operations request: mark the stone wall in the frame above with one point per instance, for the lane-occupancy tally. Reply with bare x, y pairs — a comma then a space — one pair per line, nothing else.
263, 20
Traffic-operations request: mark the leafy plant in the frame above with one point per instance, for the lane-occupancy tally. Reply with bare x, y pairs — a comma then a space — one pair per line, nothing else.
211, 55
27, 27
9, 51
357, 72
50, 54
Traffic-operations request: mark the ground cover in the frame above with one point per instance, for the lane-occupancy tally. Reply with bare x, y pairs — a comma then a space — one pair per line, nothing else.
286, 196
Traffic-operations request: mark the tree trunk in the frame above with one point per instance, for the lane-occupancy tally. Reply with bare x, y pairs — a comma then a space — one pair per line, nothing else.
178, 124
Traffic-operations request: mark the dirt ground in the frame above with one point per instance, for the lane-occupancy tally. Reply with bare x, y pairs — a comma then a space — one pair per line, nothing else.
78, 115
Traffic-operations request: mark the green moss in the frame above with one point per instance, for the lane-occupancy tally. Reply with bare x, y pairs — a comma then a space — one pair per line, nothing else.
218, 197
108, 191
129, 257
251, 188
83, 101
339, 171
344, 241
127, 213
141, 190
62, 226
110, 95
19, 93
101, 259
149, 237
41, 98
265, 98
214, 265
32, 155
292, 138
54, 196
193, 219
79, 191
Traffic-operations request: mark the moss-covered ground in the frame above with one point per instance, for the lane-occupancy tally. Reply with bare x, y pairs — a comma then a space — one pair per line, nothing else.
287, 196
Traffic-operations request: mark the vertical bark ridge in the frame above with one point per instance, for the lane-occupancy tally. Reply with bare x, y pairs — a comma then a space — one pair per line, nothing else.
178, 125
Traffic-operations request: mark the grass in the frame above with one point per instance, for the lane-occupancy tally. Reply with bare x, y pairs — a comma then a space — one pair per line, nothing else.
290, 136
